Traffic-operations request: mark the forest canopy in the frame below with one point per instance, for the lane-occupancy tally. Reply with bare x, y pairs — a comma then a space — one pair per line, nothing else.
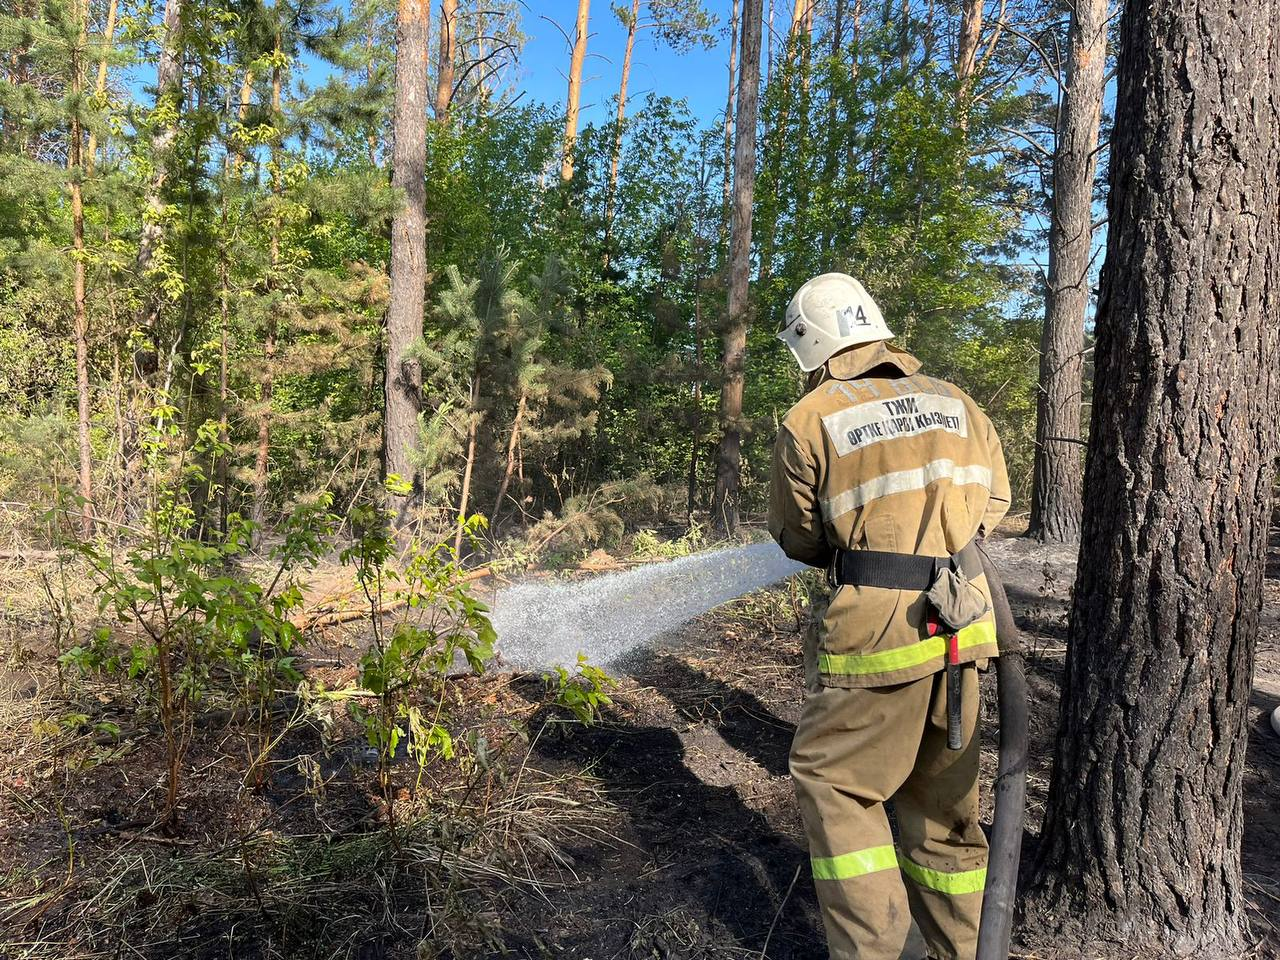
232, 161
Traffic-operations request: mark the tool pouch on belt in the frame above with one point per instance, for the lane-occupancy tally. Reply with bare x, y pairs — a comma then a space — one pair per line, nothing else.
956, 601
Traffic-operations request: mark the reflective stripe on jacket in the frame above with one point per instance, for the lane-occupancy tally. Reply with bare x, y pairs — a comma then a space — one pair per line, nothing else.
879, 456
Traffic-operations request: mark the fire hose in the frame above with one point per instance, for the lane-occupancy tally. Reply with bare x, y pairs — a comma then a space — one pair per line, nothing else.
996, 926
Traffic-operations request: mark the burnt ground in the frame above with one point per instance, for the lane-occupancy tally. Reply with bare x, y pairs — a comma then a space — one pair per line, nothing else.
667, 831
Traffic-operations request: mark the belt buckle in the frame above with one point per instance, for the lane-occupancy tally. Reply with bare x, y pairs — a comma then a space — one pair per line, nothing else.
832, 582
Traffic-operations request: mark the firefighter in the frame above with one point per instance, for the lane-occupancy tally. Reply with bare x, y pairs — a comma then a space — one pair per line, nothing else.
887, 478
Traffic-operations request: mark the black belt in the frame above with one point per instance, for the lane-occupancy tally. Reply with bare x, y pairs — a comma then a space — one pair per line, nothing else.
899, 571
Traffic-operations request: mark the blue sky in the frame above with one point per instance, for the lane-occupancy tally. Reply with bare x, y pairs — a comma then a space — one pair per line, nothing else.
699, 76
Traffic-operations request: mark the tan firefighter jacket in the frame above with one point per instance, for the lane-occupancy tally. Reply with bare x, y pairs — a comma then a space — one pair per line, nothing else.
879, 456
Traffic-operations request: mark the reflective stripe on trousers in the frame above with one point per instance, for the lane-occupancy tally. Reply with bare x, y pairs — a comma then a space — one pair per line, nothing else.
859, 863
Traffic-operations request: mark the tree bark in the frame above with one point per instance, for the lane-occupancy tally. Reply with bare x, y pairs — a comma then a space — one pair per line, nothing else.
168, 96
75, 172
728, 108
1056, 483
575, 91
1141, 839
971, 14
403, 378
448, 54
725, 504
262, 459
100, 85
512, 443
473, 426
632, 26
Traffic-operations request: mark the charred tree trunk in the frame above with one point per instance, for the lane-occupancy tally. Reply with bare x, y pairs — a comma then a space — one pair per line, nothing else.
575, 91
724, 506
448, 54
1141, 840
403, 378
1056, 490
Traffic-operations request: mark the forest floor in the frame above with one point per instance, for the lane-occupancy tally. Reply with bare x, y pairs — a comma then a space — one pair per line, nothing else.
666, 831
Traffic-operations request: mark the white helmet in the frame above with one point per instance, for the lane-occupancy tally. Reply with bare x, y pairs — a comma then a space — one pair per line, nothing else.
828, 314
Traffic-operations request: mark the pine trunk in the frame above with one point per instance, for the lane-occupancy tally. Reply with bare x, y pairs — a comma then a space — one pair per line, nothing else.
403, 383
513, 442
262, 459
728, 109
1142, 833
616, 154
100, 85
74, 173
575, 91
724, 508
168, 93
448, 54
1056, 484
971, 14
473, 426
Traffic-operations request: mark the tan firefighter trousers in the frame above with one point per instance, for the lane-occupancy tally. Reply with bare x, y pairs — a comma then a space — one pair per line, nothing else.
854, 749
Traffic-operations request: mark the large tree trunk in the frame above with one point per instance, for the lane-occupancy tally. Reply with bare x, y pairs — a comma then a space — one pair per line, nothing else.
75, 172
575, 91
1055, 497
1141, 840
403, 383
448, 54
724, 507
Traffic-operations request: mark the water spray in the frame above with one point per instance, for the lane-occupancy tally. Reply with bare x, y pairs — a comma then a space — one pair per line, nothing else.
607, 617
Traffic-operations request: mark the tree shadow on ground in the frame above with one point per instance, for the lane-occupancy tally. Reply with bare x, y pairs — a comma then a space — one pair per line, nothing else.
690, 848
741, 718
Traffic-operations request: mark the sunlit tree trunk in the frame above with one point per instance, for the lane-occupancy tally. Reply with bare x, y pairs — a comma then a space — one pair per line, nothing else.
1141, 839
575, 91
100, 85
633, 24
728, 109
725, 504
403, 378
1056, 482
75, 172
168, 99
261, 463
448, 55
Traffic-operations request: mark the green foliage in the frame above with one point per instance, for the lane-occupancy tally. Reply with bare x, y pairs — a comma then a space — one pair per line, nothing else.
181, 609
583, 691
403, 674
